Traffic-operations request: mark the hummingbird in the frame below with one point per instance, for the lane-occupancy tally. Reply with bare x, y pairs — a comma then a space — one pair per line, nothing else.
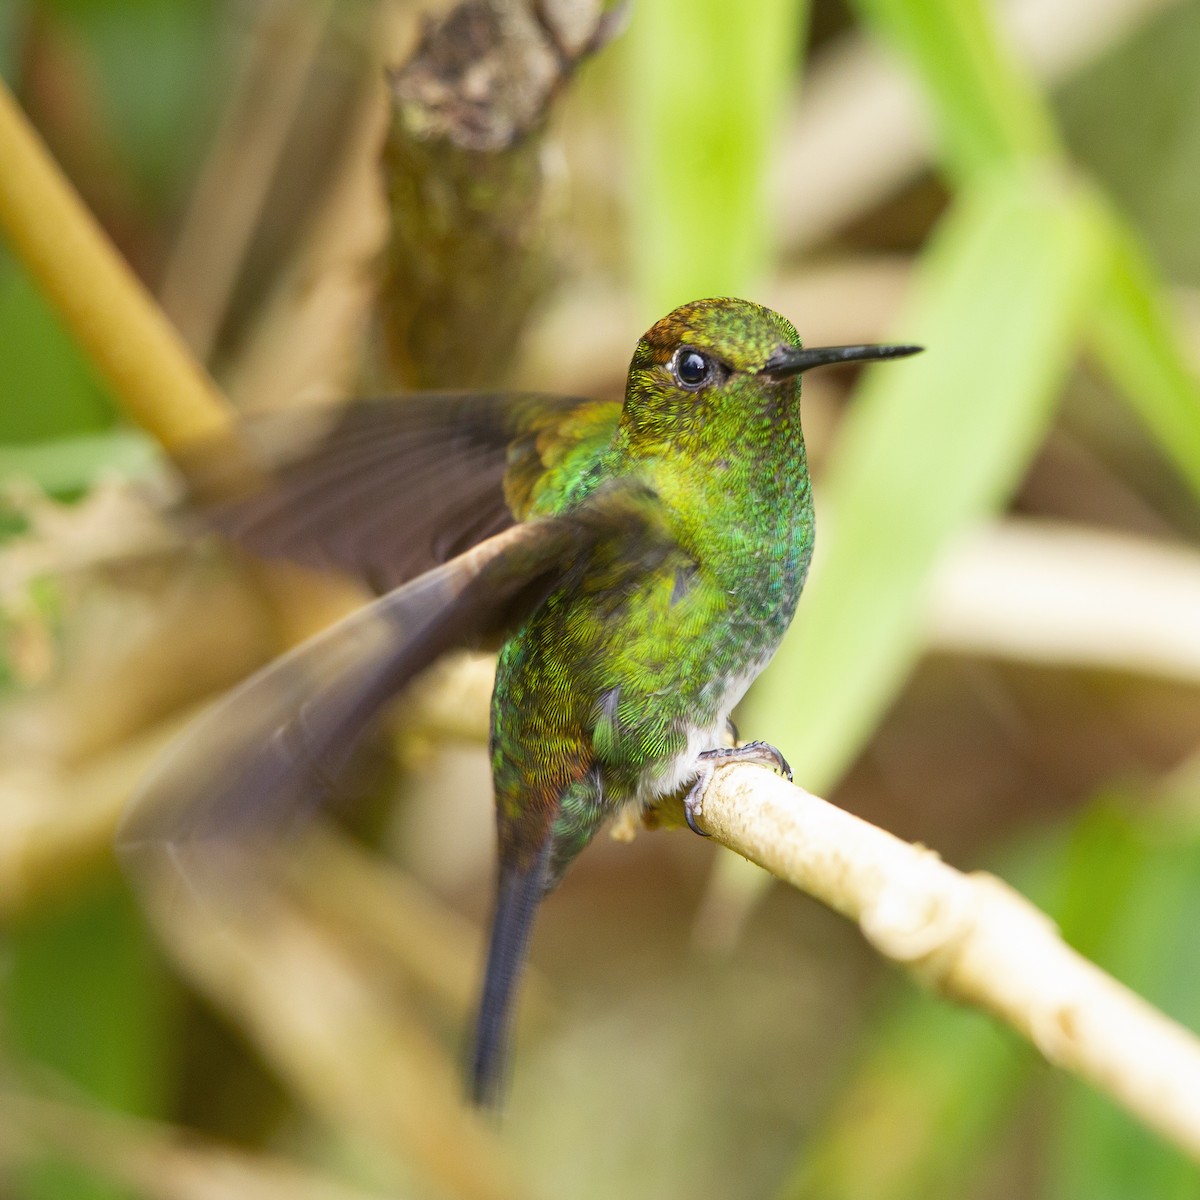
639, 563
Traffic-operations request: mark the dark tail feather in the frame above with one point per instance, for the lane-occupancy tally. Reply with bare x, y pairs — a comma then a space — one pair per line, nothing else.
517, 897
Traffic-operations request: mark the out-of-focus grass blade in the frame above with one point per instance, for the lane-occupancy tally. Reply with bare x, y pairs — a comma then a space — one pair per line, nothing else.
987, 110
1132, 891
930, 446
84, 995
706, 82
1133, 335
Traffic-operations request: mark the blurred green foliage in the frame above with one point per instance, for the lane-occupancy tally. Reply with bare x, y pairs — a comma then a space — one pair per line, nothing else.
10, 24
705, 89
935, 1088
1129, 891
1139, 97
83, 992
160, 87
988, 114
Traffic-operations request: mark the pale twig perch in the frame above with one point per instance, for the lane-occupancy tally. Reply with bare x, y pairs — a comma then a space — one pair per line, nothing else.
972, 938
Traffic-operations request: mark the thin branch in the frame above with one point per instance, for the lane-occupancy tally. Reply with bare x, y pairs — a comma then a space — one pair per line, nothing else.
972, 938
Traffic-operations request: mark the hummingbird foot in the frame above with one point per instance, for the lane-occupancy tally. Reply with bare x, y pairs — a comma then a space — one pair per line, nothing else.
762, 753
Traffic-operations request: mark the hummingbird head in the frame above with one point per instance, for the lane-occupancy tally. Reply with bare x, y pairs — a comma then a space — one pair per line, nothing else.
723, 361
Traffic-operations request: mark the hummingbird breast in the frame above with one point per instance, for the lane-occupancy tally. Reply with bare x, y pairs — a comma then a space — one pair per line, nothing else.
609, 692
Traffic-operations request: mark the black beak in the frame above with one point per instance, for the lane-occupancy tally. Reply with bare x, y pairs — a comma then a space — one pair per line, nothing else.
791, 360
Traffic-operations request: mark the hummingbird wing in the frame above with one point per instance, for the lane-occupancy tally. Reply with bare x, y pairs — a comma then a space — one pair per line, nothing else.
282, 741
388, 488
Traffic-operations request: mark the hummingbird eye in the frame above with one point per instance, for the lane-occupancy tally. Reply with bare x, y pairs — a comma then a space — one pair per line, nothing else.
692, 368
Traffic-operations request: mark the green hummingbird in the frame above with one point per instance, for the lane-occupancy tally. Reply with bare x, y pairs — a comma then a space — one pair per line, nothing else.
640, 563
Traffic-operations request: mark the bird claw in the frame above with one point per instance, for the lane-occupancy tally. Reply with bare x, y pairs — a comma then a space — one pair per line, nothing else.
762, 753
694, 800
765, 755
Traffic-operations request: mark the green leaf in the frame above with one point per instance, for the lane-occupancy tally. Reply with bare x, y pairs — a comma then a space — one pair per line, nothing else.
706, 84
929, 447
1134, 336
1132, 118
988, 112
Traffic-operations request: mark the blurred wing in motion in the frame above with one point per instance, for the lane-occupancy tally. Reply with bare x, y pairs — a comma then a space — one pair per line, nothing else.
279, 743
383, 488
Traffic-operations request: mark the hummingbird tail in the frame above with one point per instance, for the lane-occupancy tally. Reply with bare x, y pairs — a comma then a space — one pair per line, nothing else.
518, 894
